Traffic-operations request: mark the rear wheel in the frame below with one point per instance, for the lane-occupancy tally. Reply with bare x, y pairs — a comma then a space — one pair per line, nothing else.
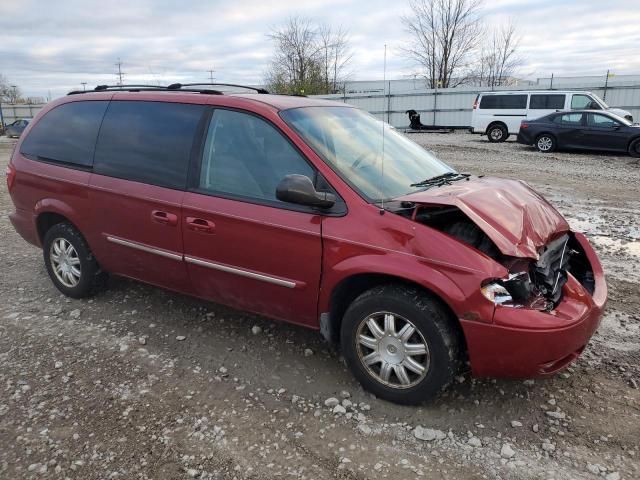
634, 148
70, 263
497, 133
546, 143
400, 344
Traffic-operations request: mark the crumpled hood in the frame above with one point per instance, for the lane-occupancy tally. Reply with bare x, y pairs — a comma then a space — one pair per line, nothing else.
509, 212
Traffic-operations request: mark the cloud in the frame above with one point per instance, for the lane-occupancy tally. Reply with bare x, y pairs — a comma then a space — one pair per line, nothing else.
54, 46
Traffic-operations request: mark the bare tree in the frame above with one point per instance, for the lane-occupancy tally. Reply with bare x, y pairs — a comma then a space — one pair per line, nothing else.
308, 58
444, 34
499, 58
9, 93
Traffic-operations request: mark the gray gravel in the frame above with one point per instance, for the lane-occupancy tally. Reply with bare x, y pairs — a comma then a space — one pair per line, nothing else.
143, 383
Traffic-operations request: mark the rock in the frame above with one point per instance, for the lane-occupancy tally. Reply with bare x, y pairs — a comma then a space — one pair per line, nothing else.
364, 429
474, 442
428, 434
516, 423
308, 352
223, 370
75, 313
547, 446
142, 341
256, 330
633, 383
557, 415
506, 451
58, 365
331, 402
595, 469
346, 403
613, 476
345, 394
535, 428
193, 473
339, 410
180, 338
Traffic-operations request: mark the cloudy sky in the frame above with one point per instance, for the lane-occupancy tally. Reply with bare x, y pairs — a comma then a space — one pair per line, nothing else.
54, 45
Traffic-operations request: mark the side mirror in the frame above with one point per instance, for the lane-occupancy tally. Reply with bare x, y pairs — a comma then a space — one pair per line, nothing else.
615, 126
299, 189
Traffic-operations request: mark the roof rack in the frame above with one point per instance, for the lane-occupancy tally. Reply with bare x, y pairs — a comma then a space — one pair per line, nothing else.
179, 86
144, 88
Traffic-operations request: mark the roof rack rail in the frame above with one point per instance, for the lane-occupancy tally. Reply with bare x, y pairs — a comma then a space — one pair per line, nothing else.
144, 88
179, 86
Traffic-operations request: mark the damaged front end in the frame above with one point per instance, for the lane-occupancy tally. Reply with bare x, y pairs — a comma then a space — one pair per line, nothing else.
532, 283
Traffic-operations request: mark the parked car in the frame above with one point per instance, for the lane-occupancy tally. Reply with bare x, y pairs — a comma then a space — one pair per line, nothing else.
498, 114
16, 128
281, 206
584, 129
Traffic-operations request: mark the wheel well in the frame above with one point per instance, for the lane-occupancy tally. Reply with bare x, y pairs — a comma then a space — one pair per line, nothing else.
47, 220
352, 287
632, 140
549, 134
496, 123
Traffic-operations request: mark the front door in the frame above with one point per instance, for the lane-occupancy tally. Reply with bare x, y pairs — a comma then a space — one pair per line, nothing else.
140, 174
602, 132
243, 247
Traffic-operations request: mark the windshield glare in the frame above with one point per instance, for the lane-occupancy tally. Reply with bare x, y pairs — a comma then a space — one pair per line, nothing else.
350, 141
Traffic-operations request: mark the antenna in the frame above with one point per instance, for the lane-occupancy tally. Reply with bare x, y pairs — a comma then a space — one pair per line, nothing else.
384, 86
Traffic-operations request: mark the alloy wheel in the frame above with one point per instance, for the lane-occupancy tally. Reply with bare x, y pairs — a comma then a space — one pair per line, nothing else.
496, 133
392, 350
65, 262
544, 144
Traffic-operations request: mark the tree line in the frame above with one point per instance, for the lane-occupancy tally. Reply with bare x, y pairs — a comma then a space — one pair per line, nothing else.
447, 41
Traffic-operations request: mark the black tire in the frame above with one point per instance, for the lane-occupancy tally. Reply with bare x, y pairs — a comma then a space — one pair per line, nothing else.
634, 148
546, 143
91, 278
433, 325
497, 133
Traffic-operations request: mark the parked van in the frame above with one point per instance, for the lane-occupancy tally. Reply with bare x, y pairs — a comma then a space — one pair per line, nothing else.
498, 114
279, 206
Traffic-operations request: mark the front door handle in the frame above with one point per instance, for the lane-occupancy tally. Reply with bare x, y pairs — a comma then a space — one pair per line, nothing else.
200, 225
165, 218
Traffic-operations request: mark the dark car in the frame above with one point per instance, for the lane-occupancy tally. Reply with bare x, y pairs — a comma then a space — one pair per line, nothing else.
583, 129
277, 205
16, 128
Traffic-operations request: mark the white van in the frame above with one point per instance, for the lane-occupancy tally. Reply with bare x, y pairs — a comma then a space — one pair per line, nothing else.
498, 114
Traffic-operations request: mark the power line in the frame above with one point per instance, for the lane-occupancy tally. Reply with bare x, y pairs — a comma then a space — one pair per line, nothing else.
120, 72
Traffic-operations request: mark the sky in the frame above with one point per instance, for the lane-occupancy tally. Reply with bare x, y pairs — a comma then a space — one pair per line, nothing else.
49, 47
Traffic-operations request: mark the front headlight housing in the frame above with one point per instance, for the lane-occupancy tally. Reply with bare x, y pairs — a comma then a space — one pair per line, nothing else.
514, 291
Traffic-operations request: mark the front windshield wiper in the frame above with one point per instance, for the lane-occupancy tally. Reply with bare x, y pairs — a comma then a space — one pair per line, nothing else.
443, 179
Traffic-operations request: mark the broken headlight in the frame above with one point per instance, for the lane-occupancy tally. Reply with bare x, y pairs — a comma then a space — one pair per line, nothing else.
514, 291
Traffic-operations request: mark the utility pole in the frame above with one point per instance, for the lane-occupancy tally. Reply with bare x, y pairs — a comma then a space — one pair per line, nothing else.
120, 72
84, 86
211, 79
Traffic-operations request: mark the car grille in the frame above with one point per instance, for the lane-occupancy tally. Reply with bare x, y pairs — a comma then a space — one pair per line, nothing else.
550, 271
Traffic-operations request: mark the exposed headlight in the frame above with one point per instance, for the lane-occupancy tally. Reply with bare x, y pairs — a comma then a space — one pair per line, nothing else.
496, 293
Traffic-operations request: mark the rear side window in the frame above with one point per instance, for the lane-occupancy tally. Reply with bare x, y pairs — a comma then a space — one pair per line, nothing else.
547, 102
148, 142
503, 102
569, 119
66, 134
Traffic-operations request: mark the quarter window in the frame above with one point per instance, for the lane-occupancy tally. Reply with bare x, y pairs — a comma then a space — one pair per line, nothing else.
547, 102
503, 102
66, 134
246, 156
148, 142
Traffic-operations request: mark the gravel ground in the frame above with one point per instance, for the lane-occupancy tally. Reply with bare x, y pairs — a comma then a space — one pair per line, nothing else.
142, 383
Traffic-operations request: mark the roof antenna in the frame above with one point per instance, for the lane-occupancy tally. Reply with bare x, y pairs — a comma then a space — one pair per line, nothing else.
384, 87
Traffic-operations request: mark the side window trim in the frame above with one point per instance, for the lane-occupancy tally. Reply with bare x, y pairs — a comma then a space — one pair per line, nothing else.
195, 168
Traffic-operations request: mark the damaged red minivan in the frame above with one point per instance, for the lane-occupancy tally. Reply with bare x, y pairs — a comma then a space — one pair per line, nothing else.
311, 212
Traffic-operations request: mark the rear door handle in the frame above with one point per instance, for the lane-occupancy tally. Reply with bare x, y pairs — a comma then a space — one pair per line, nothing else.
200, 225
165, 218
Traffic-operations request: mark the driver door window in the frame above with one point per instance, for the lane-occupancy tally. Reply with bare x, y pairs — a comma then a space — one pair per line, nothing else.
602, 121
247, 157
583, 102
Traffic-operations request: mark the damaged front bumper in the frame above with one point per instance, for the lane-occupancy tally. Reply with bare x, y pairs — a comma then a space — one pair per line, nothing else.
524, 342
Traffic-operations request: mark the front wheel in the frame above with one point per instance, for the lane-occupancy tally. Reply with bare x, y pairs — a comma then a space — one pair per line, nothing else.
400, 344
634, 148
546, 143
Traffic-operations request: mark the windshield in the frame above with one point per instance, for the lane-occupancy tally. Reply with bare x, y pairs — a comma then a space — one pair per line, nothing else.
350, 141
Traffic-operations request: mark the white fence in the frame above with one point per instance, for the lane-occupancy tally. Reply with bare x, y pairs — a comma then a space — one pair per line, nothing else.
453, 106
11, 112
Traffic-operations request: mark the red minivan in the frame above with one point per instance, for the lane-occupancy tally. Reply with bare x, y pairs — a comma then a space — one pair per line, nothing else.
315, 213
